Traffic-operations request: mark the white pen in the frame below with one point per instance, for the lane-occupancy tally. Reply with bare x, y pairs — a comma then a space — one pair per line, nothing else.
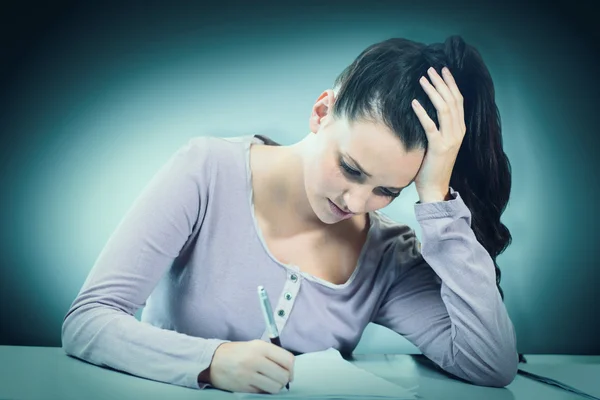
267, 311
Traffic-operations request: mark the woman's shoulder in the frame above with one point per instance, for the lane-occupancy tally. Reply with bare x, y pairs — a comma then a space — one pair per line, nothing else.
214, 145
203, 158
215, 150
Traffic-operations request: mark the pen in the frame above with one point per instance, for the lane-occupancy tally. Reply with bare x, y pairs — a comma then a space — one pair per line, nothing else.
265, 305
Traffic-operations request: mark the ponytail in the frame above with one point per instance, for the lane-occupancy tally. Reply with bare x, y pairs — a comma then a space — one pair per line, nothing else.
482, 172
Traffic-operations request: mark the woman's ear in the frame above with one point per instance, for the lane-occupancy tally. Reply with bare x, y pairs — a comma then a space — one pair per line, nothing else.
321, 109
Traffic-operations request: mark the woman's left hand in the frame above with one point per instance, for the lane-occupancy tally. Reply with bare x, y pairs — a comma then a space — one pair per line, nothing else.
433, 179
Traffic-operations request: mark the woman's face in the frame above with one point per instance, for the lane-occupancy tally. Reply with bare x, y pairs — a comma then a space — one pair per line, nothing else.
354, 168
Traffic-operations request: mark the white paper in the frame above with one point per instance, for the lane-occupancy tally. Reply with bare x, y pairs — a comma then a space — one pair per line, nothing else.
326, 375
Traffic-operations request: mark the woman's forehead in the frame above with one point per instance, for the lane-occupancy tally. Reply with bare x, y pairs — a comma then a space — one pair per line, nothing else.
379, 152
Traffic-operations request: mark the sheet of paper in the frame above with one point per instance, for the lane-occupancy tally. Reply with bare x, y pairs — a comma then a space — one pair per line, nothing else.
326, 375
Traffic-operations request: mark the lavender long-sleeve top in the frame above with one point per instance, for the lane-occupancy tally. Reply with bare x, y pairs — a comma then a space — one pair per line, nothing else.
190, 251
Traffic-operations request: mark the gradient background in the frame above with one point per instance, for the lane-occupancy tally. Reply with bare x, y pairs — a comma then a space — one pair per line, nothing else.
94, 99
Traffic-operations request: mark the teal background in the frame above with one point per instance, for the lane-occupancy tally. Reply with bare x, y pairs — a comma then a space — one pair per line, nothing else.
96, 98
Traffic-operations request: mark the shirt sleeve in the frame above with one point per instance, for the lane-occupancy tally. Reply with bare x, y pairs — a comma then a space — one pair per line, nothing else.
100, 326
445, 300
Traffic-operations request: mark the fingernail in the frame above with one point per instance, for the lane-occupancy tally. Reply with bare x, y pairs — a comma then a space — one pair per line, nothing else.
445, 70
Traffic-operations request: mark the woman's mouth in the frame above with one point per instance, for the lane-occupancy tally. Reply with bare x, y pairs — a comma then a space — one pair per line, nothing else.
338, 212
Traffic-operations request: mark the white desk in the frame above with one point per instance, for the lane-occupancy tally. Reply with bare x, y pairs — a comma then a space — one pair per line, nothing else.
48, 373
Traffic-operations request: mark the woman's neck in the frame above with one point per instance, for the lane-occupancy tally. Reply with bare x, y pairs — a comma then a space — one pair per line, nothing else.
279, 191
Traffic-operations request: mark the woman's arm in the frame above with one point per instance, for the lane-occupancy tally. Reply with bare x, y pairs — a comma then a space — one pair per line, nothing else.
447, 303
100, 326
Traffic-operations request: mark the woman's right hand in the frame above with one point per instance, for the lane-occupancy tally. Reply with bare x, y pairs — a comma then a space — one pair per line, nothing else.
252, 367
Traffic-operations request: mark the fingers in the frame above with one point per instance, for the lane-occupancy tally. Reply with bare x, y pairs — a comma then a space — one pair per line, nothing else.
274, 371
265, 384
443, 109
442, 88
446, 98
428, 124
281, 356
455, 92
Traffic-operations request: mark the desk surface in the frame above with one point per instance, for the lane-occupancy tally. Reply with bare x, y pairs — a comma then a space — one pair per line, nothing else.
48, 373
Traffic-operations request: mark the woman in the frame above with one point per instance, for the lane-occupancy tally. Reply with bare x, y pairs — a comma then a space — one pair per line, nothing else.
226, 215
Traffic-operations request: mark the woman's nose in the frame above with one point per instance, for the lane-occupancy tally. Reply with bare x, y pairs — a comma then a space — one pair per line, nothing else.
356, 200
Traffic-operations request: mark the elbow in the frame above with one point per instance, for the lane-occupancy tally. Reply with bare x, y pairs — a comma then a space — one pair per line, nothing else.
509, 372
500, 379
492, 365
500, 376
497, 370
83, 330
68, 335
78, 332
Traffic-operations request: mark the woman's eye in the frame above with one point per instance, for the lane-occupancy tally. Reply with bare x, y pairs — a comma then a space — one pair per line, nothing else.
387, 193
348, 169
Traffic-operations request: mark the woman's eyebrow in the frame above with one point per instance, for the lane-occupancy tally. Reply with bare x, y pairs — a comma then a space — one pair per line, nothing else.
358, 165
369, 175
